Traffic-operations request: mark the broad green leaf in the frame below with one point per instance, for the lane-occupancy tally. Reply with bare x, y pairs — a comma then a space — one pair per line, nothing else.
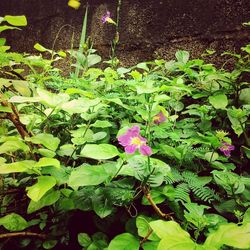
49, 244
172, 235
142, 65
2, 40
142, 224
79, 105
17, 167
51, 99
153, 245
93, 59
23, 99
47, 140
165, 229
125, 241
101, 205
87, 175
99, 136
245, 96
61, 53
38, 190
43, 162
12, 146
47, 200
16, 20
179, 244
211, 156
99, 151
13, 222
66, 150
84, 240
46, 152
231, 235
21, 86
218, 101
246, 218
157, 197
101, 124
5, 109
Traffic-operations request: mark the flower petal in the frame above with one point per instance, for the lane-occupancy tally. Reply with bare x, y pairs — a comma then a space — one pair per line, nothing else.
124, 140
134, 131
130, 149
227, 153
145, 150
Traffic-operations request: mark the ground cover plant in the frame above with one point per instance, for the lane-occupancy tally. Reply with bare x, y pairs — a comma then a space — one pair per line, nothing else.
154, 156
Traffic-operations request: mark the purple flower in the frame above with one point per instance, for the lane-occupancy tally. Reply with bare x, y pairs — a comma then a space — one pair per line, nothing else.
226, 148
132, 141
159, 118
107, 19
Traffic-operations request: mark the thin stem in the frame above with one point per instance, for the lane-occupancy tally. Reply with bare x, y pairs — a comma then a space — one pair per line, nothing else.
155, 207
57, 35
22, 234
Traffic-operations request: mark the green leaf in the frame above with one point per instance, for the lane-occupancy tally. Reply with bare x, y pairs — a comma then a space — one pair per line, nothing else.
231, 235
168, 229
218, 101
245, 96
43, 162
16, 20
150, 245
179, 244
172, 235
17, 167
211, 156
101, 205
7, 27
87, 175
93, 59
47, 200
46, 152
5, 109
99, 151
246, 218
40, 48
49, 244
101, 124
80, 105
51, 99
37, 191
125, 241
47, 140
142, 223
2, 40
12, 146
13, 222
84, 240
182, 56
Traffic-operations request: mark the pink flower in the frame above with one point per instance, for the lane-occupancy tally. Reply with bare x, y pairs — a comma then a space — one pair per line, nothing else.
226, 148
132, 141
107, 19
159, 118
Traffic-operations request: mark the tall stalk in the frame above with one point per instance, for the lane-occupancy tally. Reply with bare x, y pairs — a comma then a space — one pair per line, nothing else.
82, 40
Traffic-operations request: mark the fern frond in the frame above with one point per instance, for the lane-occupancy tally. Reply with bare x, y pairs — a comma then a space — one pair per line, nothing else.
174, 177
203, 193
182, 192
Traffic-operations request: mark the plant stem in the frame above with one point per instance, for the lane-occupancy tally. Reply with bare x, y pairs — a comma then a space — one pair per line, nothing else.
22, 234
155, 207
83, 38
